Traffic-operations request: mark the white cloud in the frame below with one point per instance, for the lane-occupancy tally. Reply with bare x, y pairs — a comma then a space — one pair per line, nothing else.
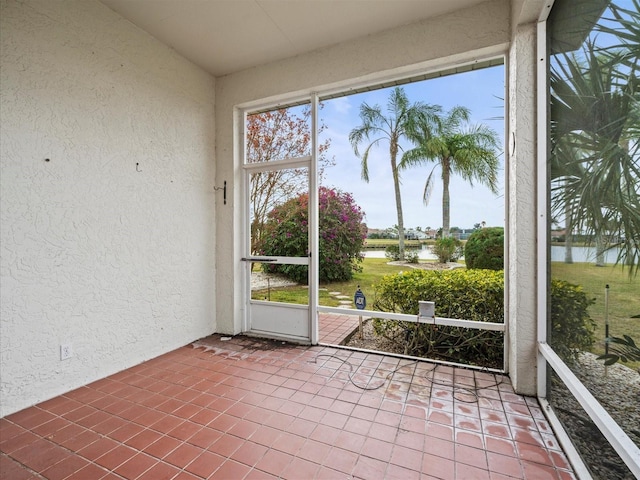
341, 105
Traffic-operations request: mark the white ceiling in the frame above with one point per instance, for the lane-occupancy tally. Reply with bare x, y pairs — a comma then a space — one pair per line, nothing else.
225, 36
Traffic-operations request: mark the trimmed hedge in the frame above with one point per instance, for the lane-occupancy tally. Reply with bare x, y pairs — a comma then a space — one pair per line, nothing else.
473, 295
485, 249
572, 329
465, 294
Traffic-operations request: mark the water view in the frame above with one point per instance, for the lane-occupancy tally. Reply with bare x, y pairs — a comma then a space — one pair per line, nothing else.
583, 254
580, 254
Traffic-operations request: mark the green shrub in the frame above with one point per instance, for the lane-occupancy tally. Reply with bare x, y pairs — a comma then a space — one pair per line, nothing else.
411, 256
485, 249
471, 295
448, 249
392, 252
572, 329
342, 235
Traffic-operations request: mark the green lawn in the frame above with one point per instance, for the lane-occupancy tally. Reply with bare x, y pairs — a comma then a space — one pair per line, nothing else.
624, 298
373, 270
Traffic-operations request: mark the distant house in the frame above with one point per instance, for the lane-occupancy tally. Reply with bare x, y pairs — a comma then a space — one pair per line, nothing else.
463, 234
412, 234
380, 233
374, 233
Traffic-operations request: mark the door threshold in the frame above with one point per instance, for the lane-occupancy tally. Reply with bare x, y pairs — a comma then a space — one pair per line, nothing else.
276, 336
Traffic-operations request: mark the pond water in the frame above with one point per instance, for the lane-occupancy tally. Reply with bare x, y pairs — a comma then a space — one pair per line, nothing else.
583, 254
580, 254
424, 253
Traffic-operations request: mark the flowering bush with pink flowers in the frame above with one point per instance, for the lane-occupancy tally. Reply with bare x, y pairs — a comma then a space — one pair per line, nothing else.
342, 235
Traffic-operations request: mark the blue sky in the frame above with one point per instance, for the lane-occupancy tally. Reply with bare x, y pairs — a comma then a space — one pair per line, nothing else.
482, 91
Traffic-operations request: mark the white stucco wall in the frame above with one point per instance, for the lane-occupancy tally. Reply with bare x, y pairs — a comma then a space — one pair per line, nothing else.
118, 263
417, 48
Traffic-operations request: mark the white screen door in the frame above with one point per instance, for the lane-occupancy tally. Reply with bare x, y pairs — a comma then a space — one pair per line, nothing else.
279, 250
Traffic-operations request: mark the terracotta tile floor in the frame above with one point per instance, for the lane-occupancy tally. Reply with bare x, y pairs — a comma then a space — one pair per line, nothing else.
248, 409
335, 329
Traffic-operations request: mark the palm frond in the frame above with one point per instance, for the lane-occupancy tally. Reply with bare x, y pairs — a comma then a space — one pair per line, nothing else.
621, 350
595, 168
625, 25
365, 160
428, 188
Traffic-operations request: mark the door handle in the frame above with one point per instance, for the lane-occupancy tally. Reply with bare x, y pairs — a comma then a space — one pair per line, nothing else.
258, 259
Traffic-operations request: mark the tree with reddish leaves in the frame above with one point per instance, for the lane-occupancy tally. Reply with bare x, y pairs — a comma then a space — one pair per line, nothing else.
278, 135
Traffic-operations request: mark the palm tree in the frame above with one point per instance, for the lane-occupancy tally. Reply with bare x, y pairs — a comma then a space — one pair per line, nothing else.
626, 27
457, 148
595, 118
377, 128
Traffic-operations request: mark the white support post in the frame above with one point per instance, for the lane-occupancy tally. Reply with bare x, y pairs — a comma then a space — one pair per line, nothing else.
542, 203
314, 264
